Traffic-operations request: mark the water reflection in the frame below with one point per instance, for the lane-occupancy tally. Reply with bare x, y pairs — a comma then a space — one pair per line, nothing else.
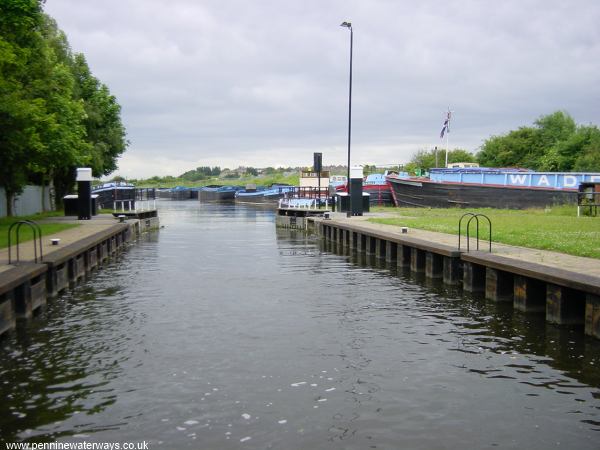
59, 364
507, 344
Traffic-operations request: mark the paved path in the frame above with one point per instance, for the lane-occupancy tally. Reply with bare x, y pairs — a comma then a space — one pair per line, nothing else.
84, 229
589, 266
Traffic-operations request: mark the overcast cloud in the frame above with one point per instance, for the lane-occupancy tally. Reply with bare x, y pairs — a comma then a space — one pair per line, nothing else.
265, 82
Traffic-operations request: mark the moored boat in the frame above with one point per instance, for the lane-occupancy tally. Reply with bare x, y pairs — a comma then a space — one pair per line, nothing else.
181, 193
109, 193
482, 187
336, 181
378, 188
264, 196
218, 193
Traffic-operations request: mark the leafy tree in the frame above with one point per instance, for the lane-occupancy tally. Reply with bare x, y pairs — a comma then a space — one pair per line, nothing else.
64, 135
54, 115
22, 115
369, 169
554, 128
191, 175
555, 142
589, 161
426, 159
201, 173
508, 151
588, 158
104, 129
251, 171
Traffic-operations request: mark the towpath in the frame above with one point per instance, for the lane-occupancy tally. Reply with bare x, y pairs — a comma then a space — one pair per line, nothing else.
582, 265
85, 229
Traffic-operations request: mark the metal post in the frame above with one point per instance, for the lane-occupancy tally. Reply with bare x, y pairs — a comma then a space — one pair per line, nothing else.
319, 189
349, 26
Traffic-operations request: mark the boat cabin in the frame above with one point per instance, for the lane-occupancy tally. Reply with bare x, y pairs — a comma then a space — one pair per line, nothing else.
310, 178
461, 165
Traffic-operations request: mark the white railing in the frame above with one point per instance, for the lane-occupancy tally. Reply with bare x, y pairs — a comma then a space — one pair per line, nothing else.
300, 203
139, 205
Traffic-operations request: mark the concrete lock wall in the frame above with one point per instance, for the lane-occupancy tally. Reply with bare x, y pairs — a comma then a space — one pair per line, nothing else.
27, 203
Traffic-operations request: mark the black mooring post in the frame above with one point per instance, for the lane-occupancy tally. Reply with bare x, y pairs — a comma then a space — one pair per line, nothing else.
84, 193
318, 166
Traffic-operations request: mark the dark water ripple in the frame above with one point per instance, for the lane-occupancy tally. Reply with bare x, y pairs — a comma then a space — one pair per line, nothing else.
224, 332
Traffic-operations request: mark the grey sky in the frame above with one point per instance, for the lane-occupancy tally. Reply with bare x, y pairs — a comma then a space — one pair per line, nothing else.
265, 82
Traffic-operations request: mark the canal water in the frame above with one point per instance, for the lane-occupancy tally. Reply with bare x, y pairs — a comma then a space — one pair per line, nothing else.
221, 332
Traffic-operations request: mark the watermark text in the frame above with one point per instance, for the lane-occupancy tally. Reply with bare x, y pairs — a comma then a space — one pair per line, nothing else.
143, 445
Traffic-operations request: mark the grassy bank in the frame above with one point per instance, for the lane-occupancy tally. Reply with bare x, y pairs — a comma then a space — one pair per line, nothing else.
266, 180
557, 229
25, 233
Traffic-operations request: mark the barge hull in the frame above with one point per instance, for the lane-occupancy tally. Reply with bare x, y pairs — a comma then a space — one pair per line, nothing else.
208, 196
427, 194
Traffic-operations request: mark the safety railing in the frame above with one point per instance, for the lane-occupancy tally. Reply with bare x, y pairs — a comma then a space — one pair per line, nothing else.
588, 201
134, 205
298, 195
37, 239
301, 203
473, 216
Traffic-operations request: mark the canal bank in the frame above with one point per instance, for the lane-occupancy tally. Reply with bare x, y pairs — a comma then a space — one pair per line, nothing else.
34, 271
566, 288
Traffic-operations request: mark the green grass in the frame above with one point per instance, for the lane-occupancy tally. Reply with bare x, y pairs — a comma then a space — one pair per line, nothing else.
265, 180
557, 229
25, 233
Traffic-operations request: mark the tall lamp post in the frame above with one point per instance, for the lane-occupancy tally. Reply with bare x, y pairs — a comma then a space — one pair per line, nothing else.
349, 26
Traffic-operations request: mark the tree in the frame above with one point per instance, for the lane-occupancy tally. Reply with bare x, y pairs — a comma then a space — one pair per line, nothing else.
555, 142
426, 159
104, 130
369, 169
22, 115
554, 128
588, 158
64, 136
512, 150
54, 115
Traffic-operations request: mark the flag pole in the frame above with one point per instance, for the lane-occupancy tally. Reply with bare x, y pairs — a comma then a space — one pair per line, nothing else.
447, 133
448, 117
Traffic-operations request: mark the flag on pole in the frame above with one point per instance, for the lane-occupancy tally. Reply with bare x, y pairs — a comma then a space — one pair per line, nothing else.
446, 127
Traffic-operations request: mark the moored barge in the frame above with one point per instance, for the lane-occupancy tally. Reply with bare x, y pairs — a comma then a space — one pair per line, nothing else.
488, 188
218, 193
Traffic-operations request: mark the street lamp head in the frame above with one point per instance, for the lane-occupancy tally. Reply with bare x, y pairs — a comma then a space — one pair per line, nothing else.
346, 24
